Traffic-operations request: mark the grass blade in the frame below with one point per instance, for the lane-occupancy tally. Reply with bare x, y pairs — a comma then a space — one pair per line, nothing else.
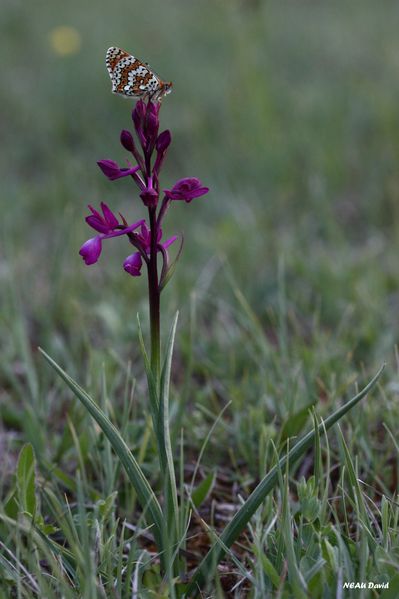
295, 576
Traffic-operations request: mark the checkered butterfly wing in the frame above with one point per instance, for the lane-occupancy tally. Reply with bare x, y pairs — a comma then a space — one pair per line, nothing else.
132, 78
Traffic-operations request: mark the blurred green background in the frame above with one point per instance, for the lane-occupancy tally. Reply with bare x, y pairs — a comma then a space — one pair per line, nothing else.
288, 282
287, 110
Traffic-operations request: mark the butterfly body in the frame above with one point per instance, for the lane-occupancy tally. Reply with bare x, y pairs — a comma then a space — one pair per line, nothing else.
133, 78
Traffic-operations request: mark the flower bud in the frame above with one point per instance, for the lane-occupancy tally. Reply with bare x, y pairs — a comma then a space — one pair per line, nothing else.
152, 127
127, 140
138, 113
149, 197
163, 141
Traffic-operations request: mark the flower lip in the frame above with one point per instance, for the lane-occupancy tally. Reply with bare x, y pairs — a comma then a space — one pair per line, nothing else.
91, 250
133, 263
113, 171
186, 189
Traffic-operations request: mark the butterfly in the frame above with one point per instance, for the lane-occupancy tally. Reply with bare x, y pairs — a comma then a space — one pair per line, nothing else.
132, 78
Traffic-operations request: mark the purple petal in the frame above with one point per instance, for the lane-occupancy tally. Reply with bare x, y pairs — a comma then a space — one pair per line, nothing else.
196, 193
145, 232
113, 171
91, 250
133, 264
102, 223
94, 211
108, 167
187, 183
109, 216
97, 223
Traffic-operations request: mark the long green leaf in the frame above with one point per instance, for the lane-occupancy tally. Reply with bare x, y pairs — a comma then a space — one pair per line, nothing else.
163, 426
26, 480
205, 487
143, 489
267, 484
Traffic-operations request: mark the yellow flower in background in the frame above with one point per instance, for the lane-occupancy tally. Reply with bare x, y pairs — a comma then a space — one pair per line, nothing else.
65, 40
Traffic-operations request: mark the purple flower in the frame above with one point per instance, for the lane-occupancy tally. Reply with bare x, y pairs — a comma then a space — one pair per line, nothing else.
186, 189
103, 224
91, 250
133, 264
113, 171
